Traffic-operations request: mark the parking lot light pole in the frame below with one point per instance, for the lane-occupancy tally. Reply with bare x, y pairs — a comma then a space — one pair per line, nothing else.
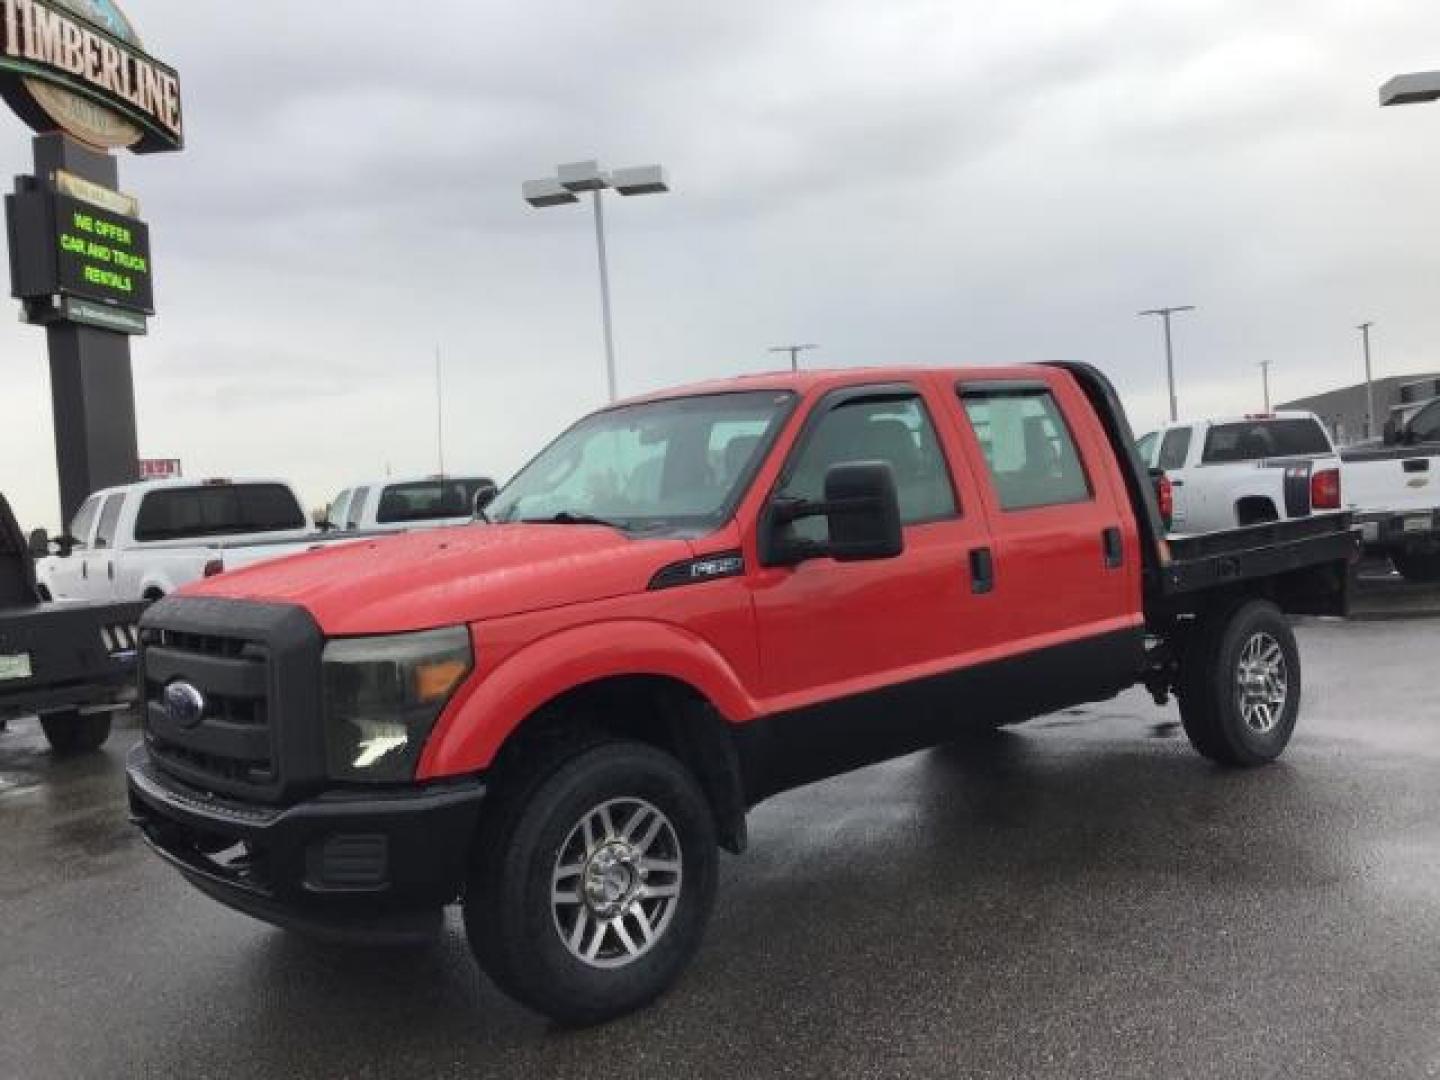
564, 188
1364, 329
794, 351
1165, 314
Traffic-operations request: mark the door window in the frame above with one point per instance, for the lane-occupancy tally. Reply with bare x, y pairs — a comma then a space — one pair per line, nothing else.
1426, 427
336, 514
1175, 450
1028, 448
357, 508
109, 518
80, 526
894, 430
1145, 447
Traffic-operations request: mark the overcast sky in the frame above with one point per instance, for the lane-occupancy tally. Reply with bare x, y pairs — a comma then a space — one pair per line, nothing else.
916, 181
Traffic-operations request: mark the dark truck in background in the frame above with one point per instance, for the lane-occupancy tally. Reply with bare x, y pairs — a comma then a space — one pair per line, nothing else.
686, 604
73, 665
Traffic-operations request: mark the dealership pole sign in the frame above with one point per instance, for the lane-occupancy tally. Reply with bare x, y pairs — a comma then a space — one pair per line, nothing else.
76, 72
78, 64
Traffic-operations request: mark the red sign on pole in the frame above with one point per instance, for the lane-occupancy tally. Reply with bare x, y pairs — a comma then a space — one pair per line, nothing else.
159, 468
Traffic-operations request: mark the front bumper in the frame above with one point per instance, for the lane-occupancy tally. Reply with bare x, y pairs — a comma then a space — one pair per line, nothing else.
344, 865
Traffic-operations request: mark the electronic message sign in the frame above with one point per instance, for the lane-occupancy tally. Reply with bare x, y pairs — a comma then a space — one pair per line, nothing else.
75, 249
102, 256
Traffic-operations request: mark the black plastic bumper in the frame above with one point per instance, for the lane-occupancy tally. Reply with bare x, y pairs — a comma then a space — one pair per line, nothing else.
344, 865
1400, 530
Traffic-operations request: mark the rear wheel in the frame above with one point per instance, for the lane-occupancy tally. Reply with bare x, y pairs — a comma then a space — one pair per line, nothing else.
1240, 684
1413, 566
593, 884
72, 732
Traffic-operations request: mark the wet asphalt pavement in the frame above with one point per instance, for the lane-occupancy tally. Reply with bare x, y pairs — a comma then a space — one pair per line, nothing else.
1081, 896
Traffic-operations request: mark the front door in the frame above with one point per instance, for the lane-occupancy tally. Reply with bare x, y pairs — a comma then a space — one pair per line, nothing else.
830, 631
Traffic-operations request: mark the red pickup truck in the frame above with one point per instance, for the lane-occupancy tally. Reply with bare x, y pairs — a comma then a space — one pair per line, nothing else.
683, 605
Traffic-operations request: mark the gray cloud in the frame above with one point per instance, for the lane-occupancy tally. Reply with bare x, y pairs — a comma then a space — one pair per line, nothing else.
920, 181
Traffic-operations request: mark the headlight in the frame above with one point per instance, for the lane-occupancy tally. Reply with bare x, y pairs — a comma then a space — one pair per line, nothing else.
382, 697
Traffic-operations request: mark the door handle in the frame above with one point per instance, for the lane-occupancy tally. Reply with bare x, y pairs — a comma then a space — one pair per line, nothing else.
982, 571
85, 571
110, 570
1114, 548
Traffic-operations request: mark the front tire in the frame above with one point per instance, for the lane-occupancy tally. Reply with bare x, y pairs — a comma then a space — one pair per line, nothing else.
592, 886
72, 732
1240, 685
1422, 569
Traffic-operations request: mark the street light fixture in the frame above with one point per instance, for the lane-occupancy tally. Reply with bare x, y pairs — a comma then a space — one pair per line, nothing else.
1412, 89
794, 351
565, 187
1165, 313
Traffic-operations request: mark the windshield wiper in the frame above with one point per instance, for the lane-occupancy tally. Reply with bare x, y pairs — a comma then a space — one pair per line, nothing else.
568, 517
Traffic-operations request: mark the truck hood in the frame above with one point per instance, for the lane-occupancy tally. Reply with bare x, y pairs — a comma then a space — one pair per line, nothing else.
444, 577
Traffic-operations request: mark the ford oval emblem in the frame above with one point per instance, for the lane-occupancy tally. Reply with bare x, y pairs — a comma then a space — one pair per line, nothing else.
184, 704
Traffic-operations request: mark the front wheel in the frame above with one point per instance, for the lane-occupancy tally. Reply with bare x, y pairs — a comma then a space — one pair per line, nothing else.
72, 732
1240, 684
591, 888
1423, 569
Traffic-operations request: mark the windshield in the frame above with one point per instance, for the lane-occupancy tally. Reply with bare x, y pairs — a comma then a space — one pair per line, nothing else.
678, 464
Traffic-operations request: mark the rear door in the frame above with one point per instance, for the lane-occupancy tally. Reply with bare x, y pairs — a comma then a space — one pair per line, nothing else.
1066, 550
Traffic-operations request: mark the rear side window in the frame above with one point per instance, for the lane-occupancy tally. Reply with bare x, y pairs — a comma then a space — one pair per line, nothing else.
109, 518
80, 526
1254, 440
1028, 447
428, 500
223, 510
1175, 449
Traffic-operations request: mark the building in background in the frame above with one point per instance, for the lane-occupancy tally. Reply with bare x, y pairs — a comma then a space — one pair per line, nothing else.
1343, 411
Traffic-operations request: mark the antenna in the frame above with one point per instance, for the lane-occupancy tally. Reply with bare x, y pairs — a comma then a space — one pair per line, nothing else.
439, 414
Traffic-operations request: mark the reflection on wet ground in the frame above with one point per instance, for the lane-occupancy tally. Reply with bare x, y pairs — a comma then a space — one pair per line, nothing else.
1078, 896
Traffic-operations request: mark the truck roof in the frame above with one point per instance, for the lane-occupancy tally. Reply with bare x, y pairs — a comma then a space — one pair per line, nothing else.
1248, 418
141, 486
805, 382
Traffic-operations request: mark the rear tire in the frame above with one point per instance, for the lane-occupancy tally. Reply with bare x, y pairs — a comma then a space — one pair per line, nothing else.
73, 732
566, 909
1421, 569
1240, 684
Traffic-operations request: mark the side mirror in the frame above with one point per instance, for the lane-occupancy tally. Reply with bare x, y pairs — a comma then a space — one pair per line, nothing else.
40, 544
861, 509
484, 496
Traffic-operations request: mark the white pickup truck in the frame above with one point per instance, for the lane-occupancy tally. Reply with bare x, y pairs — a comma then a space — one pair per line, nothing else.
399, 505
143, 541
1394, 487
1219, 474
